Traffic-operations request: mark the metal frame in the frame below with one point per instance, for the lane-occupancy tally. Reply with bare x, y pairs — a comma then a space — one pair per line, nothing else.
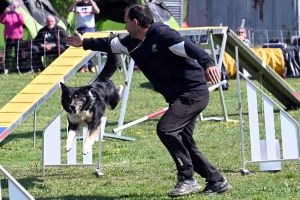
21, 193
209, 48
243, 170
51, 128
258, 68
219, 65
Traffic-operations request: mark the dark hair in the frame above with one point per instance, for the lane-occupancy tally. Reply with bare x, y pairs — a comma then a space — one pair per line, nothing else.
142, 13
274, 40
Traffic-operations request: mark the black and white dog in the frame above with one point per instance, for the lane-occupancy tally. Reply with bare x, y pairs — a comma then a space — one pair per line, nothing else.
86, 105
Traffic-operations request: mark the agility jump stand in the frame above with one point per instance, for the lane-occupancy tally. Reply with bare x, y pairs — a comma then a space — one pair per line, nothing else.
209, 48
15, 189
267, 152
52, 147
124, 95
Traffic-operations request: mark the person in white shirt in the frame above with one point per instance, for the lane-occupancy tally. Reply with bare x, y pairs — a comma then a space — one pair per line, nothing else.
85, 11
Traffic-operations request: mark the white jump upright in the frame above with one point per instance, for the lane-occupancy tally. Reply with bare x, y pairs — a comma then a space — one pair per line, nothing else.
128, 77
15, 189
52, 150
267, 152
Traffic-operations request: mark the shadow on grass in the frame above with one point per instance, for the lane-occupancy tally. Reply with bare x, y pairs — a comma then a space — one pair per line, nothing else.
72, 197
130, 196
147, 85
33, 182
26, 135
39, 133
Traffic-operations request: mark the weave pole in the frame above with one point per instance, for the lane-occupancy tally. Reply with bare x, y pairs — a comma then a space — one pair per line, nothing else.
159, 112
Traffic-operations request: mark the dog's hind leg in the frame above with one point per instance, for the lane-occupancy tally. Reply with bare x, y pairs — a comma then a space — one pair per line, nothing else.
90, 139
70, 139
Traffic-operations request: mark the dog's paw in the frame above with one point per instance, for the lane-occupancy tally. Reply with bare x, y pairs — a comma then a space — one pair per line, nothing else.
86, 149
120, 89
68, 147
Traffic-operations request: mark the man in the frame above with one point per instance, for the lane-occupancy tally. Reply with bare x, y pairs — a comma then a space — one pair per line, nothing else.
85, 20
50, 40
169, 61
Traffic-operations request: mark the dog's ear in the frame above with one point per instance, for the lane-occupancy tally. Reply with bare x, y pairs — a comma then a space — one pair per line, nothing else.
63, 86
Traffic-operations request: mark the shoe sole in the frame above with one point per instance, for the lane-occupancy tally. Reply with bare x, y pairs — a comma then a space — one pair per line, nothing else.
221, 191
187, 192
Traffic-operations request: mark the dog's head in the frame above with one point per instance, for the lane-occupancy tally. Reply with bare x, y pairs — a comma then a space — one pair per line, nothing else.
74, 99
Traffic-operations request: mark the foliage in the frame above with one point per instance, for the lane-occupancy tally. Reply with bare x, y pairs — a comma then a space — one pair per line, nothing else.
142, 169
61, 7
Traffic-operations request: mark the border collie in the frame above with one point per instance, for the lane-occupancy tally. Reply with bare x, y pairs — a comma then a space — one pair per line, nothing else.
86, 105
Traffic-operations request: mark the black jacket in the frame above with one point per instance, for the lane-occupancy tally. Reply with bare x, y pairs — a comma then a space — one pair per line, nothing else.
56, 32
167, 59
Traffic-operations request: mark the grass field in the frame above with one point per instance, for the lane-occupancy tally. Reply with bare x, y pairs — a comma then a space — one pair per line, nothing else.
141, 169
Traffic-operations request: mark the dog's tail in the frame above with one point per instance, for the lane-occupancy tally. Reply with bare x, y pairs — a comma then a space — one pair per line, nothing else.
110, 67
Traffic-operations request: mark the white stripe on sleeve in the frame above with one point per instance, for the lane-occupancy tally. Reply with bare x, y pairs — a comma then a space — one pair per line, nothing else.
117, 47
179, 50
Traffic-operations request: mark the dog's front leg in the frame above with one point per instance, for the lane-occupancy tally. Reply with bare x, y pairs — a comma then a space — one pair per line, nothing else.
70, 139
90, 139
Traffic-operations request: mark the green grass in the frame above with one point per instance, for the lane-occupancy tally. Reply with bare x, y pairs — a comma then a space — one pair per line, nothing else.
142, 169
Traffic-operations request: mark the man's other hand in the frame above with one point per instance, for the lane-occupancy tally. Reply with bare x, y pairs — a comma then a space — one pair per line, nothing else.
75, 41
213, 74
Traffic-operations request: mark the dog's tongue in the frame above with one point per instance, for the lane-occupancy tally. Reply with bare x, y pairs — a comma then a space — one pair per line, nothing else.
77, 110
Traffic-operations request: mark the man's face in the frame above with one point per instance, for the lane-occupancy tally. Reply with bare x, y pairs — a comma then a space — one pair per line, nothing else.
130, 26
85, 1
50, 23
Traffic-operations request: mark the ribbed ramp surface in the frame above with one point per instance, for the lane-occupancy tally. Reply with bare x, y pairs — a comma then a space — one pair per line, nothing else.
42, 87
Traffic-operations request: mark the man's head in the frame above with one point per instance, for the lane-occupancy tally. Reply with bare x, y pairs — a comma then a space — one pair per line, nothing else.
137, 18
85, 1
50, 22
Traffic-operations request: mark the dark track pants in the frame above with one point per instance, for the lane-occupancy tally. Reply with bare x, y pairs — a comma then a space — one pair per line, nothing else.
175, 130
9, 44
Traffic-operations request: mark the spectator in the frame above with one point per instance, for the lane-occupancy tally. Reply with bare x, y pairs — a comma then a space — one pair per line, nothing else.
50, 40
85, 21
274, 40
13, 32
242, 33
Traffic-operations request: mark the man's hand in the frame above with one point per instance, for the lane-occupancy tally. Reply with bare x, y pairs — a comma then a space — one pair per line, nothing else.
212, 74
49, 47
75, 41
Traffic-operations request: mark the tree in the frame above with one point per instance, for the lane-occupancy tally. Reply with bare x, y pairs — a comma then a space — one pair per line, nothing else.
61, 7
